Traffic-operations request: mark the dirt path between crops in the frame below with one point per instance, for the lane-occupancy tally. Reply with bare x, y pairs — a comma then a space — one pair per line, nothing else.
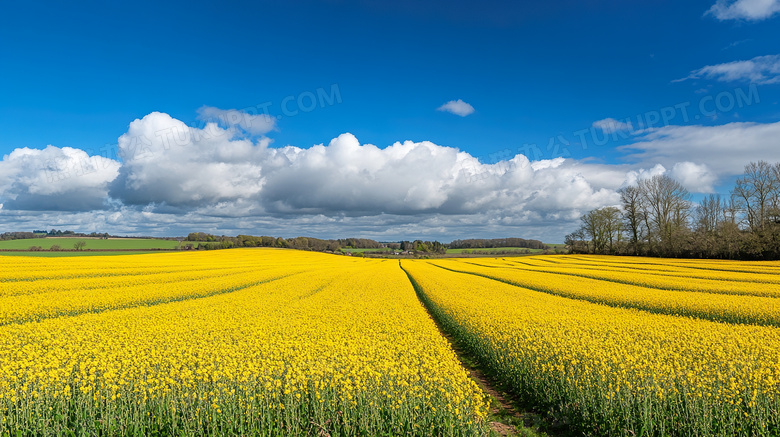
502, 407
505, 416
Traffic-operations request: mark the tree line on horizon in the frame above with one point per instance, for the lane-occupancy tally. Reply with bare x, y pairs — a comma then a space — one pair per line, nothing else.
206, 241
656, 217
494, 243
209, 241
52, 233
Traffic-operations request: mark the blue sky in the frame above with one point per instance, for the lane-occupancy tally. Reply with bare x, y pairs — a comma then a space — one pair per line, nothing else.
77, 75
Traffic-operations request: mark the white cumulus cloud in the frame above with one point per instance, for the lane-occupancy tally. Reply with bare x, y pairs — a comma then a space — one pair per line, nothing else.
55, 179
753, 10
697, 178
457, 107
168, 162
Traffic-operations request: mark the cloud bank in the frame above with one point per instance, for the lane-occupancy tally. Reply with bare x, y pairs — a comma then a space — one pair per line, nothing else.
225, 177
175, 165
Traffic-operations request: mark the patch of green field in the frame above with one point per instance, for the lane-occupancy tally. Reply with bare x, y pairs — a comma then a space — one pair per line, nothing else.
96, 243
381, 249
77, 253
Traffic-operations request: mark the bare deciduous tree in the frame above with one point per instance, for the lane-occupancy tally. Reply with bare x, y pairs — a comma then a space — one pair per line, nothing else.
668, 207
604, 228
709, 214
757, 192
633, 214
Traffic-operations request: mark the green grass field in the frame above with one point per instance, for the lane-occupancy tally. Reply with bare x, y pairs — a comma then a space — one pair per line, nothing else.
110, 244
382, 249
75, 253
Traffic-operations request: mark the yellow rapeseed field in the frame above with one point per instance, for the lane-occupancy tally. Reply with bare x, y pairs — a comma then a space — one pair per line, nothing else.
281, 342
613, 289
562, 341
240, 342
